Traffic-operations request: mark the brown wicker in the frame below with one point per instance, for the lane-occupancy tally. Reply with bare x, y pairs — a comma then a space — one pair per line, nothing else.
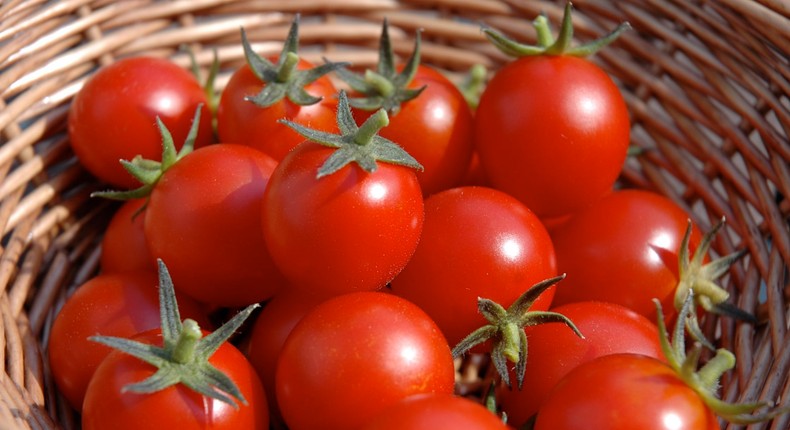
707, 82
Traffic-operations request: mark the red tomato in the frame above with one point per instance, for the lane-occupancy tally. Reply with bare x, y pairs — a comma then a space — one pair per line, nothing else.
356, 354
346, 231
554, 350
203, 221
437, 411
107, 406
122, 305
552, 131
123, 246
241, 121
623, 249
624, 391
113, 116
476, 242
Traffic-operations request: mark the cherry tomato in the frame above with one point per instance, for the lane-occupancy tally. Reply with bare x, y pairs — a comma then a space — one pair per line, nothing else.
552, 131
356, 354
476, 242
554, 350
108, 406
436, 411
112, 117
123, 246
624, 391
343, 232
203, 221
116, 304
623, 249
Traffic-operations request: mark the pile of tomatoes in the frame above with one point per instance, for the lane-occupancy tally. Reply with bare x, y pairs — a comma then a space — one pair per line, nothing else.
369, 224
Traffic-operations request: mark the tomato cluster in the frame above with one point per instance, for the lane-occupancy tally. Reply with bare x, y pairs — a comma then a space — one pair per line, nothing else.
387, 226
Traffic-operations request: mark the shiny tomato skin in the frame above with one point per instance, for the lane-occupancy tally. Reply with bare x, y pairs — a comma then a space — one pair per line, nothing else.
175, 407
241, 121
113, 116
435, 128
436, 411
344, 232
476, 242
117, 304
623, 249
552, 131
356, 354
203, 221
623, 392
123, 246
554, 350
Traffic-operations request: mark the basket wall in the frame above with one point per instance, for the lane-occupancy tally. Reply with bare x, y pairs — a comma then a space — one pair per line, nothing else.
707, 83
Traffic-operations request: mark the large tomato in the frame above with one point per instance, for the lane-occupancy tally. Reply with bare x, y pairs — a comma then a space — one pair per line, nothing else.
437, 411
354, 355
203, 220
116, 304
476, 242
112, 117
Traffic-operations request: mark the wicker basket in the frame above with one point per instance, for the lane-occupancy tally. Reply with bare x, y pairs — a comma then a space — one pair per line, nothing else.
706, 81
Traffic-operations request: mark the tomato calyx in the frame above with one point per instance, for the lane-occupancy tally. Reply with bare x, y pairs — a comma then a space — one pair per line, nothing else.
547, 44
183, 358
358, 144
385, 87
473, 84
283, 79
705, 380
506, 330
700, 277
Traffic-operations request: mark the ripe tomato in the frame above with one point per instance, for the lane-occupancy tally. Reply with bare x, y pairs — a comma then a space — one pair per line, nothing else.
123, 246
554, 350
623, 249
117, 304
203, 220
476, 242
436, 411
552, 131
347, 231
112, 117
356, 354
108, 406
624, 391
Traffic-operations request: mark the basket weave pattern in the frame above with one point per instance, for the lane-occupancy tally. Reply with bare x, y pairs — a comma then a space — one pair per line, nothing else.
707, 84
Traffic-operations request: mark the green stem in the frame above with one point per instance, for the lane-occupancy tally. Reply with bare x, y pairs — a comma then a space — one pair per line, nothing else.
371, 127
543, 31
288, 67
184, 350
382, 84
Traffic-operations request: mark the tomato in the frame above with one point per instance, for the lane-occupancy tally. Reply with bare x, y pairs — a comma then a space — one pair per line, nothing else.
624, 391
117, 304
107, 405
554, 350
351, 230
429, 412
623, 249
476, 242
356, 354
123, 245
112, 117
203, 220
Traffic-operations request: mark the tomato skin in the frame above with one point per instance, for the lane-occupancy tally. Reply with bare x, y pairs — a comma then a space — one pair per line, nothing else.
623, 249
347, 231
554, 350
243, 122
436, 411
553, 131
203, 221
175, 407
113, 116
356, 354
624, 391
116, 304
124, 247
476, 242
